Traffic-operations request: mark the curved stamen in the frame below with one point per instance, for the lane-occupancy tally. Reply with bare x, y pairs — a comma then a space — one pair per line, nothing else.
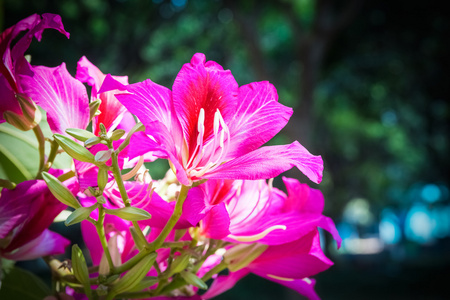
255, 237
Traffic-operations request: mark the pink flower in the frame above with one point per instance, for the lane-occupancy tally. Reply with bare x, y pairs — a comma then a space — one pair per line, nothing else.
25, 214
208, 127
253, 211
13, 61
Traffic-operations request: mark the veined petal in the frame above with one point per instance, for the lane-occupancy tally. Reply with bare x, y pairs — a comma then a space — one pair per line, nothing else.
223, 283
258, 118
216, 223
304, 286
269, 162
206, 86
299, 259
111, 109
302, 198
48, 243
63, 97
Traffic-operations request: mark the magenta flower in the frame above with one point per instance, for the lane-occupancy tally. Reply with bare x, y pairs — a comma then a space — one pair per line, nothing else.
253, 211
13, 61
25, 214
288, 264
208, 127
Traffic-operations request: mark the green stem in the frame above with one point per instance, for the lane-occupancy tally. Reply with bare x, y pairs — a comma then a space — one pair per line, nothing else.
66, 176
51, 156
157, 243
131, 262
101, 235
123, 191
215, 270
41, 140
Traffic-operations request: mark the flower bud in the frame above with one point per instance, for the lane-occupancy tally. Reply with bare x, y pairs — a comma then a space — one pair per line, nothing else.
102, 178
80, 269
73, 149
136, 128
80, 134
18, 121
191, 278
180, 263
93, 108
29, 109
147, 282
117, 134
138, 239
60, 191
129, 213
133, 277
103, 156
79, 215
92, 141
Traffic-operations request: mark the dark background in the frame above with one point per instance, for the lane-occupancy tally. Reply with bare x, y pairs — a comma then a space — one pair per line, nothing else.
369, 84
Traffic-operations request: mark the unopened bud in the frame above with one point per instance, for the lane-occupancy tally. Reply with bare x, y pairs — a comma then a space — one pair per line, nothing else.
18, 121
80, 269
92, 141
29, 109
180, 263
129, 213
145, 283
103, 156
102, 178
138, 239
60, 191
93, 108
117, 134
80, 134
79, 214
191, 278
73, 149
133, 277
136, 128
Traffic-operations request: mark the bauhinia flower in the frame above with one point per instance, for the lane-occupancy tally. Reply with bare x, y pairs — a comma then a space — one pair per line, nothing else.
210, 128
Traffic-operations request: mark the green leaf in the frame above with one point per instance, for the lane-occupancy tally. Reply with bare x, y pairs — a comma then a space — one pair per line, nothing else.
24, 285
191, 278
73, 149
79, 215
129, 213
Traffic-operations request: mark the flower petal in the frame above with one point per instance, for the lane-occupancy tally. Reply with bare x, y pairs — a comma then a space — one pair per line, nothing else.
223, 283
269, 162
216, 223
63, 97
259, 116
208, 86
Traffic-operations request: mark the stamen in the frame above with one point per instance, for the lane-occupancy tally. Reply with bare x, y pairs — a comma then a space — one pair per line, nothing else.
280, 278
134, 170
255, 237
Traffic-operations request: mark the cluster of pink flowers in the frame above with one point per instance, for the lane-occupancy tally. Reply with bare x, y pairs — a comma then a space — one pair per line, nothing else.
216, 209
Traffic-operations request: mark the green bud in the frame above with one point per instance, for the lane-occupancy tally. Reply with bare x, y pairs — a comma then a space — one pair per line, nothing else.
80, 134
103, 156
111, 279
101, 199
133, 277
60, 191
102, 178
242, 255
147, 282
136, 128
138, 239
117, 134
80, 269
94, 191
102, 290
102, 129
191, 278
73, 149
129, 213
18, 121
180, 263
92, 141
93, 107
79, 215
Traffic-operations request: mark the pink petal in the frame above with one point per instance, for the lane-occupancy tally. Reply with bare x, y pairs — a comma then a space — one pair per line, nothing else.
297, 260
216, 223
63, 97
269, 162
48, 243
223, 283
257, 119
303, 286
208, 86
